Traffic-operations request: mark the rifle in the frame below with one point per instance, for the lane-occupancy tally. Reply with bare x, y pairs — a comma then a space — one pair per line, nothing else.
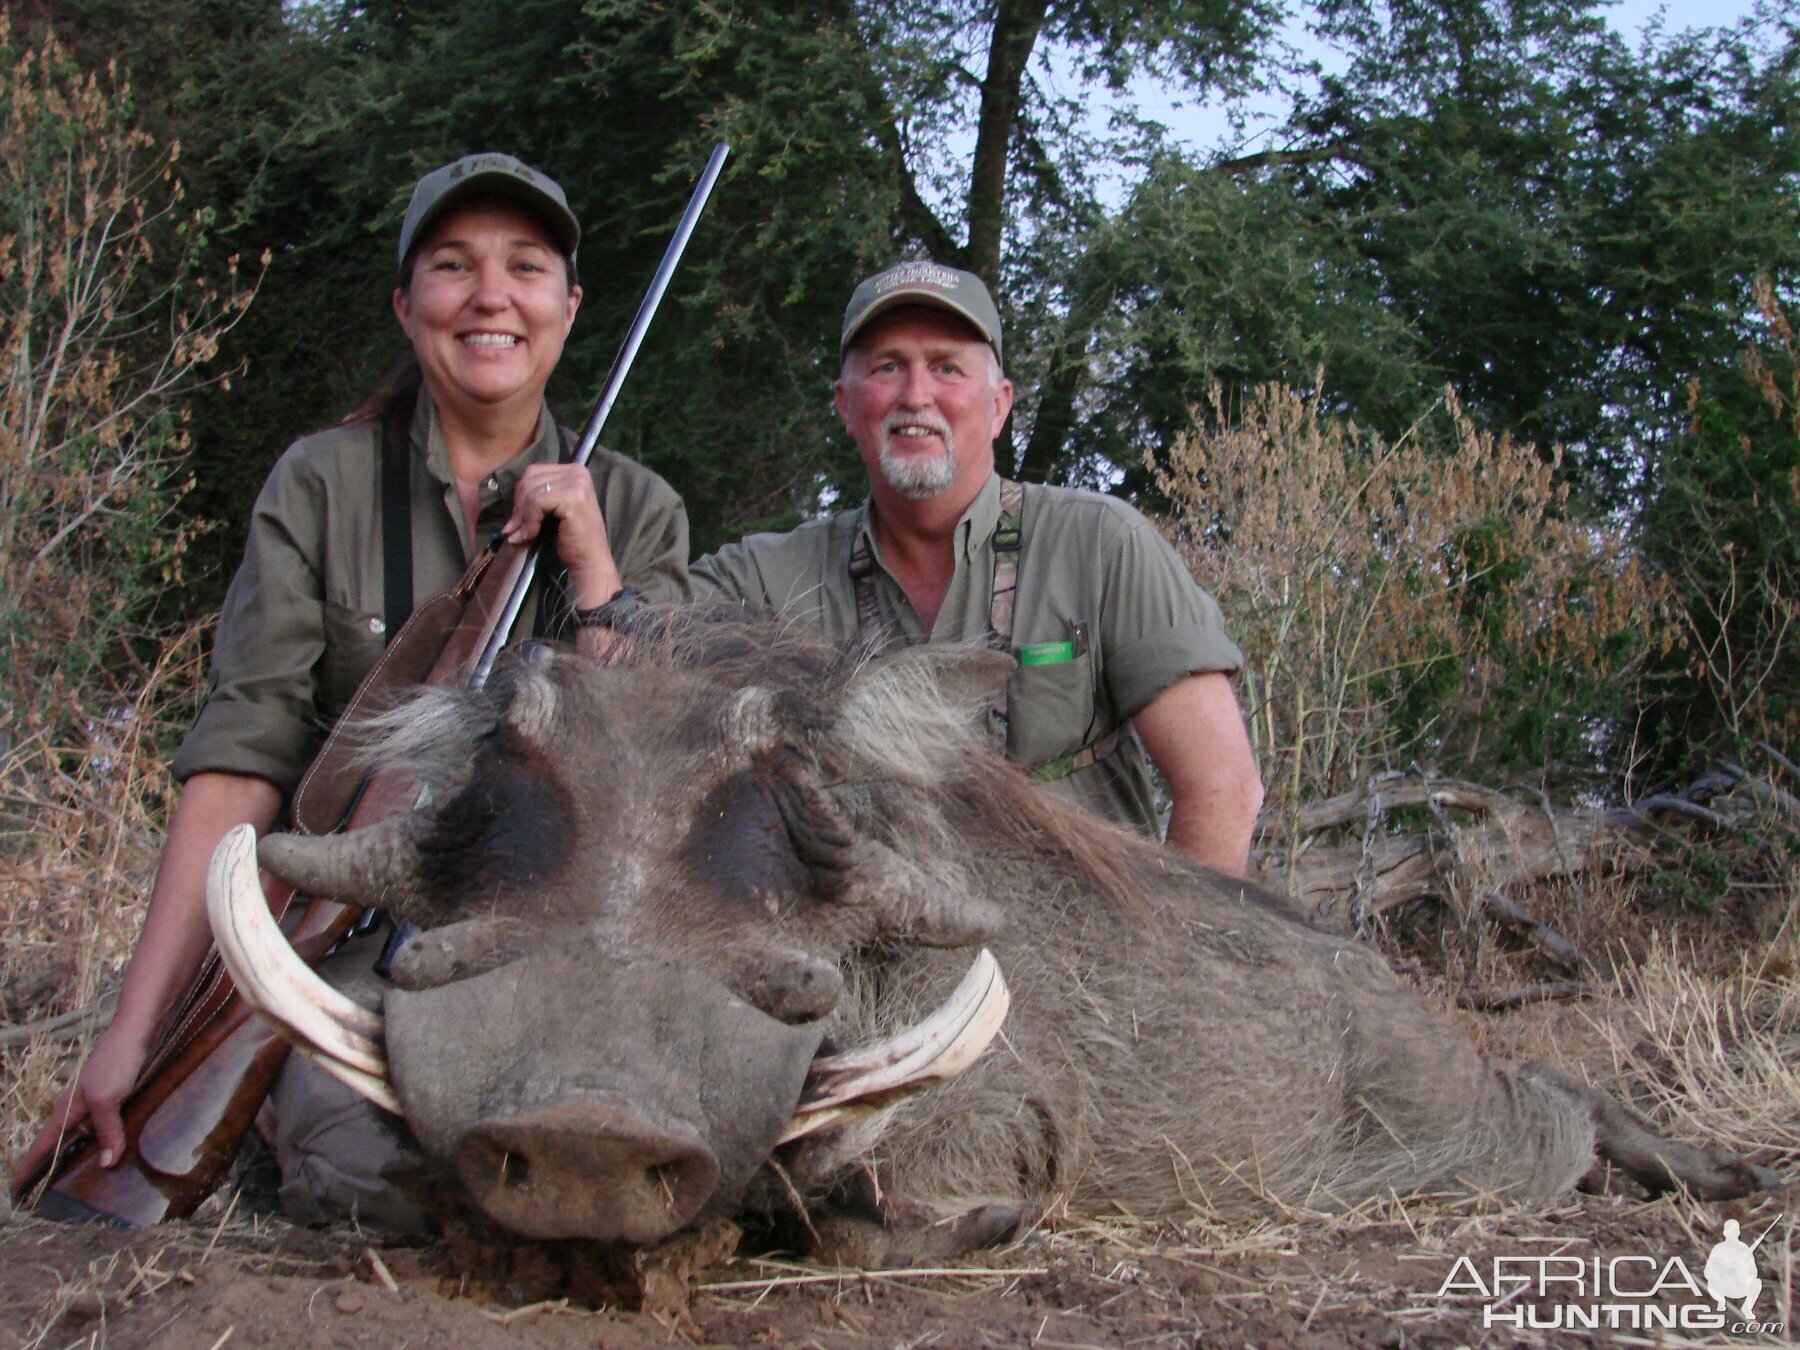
201, 1088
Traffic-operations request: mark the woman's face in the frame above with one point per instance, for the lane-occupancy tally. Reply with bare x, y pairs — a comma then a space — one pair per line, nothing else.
488, 308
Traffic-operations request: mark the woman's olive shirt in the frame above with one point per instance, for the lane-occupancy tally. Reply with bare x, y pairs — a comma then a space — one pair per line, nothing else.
302, 622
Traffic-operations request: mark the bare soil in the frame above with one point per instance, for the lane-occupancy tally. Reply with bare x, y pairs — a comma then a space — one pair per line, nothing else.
1306, 1283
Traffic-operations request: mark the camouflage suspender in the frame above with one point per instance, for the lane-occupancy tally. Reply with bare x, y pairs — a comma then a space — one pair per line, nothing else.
1009, 541
1009, 538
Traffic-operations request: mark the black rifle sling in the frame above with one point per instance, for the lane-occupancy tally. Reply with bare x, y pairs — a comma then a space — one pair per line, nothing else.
396, 515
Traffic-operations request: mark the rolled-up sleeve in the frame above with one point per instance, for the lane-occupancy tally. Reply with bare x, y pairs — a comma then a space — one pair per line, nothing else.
259, 717
1158, 626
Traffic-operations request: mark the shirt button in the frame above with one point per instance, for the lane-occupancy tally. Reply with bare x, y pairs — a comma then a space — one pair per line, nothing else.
377, 627
492, 482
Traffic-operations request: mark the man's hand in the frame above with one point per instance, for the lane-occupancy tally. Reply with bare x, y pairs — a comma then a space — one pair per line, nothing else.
1195, 733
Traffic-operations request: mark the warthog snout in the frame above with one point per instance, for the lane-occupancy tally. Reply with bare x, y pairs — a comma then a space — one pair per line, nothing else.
588, 1169
582, 1094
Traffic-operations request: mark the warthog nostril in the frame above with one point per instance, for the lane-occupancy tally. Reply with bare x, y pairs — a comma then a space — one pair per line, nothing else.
515, 1168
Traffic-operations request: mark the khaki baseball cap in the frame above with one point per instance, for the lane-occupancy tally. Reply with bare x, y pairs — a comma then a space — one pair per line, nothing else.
924, 283
489, 175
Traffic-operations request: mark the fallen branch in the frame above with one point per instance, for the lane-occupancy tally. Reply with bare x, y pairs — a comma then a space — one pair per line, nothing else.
1347, 877
63, 1027
1552, 943
1681, 806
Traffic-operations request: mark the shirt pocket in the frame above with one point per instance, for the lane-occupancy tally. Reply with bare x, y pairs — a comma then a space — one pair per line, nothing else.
1050, 710
354, 641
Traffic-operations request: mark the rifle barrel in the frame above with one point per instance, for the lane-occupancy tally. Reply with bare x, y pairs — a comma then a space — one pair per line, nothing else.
615, 381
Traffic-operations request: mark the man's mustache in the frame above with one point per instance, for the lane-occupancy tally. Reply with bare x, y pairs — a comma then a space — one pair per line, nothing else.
931, 421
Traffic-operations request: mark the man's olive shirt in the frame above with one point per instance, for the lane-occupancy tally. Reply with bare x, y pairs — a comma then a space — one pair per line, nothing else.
303, 620
1087, 559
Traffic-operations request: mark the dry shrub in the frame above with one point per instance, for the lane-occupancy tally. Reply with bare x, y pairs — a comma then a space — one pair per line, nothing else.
107, 324
107, 329
1405, 601
1734, 565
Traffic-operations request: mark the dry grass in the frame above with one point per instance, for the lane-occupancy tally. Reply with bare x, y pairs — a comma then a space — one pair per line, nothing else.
1713, 1056
80, 832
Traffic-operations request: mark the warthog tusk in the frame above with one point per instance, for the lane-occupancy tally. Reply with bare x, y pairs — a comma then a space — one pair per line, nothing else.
342, 1037
841, 1088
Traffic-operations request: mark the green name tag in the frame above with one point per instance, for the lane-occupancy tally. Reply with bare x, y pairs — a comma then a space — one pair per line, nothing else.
1046, 653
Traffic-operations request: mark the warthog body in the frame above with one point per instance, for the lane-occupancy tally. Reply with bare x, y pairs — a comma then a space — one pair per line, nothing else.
652, 892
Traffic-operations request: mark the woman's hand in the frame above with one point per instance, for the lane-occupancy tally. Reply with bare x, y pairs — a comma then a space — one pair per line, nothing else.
566, 491
90, 1105
169, 955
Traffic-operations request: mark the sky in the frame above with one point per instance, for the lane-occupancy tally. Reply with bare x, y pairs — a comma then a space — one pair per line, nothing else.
1204, 128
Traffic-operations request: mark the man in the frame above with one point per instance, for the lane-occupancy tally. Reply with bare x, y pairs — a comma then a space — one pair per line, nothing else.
1120, 652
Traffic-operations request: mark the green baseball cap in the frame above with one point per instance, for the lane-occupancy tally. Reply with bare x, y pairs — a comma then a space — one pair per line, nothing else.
924, 283
489, 175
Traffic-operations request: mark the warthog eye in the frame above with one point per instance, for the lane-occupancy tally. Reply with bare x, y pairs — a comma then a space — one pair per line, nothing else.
507, 830
740, 841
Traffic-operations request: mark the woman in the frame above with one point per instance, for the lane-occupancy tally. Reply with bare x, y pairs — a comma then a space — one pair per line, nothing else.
486, 294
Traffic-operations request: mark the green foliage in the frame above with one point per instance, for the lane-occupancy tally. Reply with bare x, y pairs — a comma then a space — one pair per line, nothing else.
1721, 518
1502, 197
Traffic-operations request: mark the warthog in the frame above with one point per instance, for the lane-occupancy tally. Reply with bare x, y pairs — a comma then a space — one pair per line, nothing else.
654, 892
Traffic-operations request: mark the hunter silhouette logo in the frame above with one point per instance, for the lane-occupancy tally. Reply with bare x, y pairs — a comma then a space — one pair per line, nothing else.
1731, 1268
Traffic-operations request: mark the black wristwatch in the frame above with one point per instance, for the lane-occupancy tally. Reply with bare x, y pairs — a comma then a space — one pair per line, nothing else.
610, 613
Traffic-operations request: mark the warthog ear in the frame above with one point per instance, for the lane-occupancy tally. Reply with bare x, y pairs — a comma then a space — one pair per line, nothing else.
751, 722
968, 677
527, 695
922, 710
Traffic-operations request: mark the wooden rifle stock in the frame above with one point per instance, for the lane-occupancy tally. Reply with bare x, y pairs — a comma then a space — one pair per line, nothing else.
203, 1085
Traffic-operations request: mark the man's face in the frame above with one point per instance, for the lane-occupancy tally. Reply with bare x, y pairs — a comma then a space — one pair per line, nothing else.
919, 397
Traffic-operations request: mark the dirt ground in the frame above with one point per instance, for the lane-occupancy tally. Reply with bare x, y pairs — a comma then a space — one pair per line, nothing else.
1303, 1283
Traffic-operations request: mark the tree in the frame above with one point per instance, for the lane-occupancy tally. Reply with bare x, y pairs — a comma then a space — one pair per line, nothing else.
1720, 518
1502, 198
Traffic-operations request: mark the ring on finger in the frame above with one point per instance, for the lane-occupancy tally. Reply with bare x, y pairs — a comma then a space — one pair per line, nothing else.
545, 487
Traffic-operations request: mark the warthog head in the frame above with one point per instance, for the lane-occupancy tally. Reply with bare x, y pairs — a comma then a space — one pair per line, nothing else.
635, 884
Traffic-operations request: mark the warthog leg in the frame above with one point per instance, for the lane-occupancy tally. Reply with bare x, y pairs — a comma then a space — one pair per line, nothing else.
1626, 1140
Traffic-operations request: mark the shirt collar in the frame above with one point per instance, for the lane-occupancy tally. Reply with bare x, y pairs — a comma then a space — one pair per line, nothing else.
972, 531
428, 432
